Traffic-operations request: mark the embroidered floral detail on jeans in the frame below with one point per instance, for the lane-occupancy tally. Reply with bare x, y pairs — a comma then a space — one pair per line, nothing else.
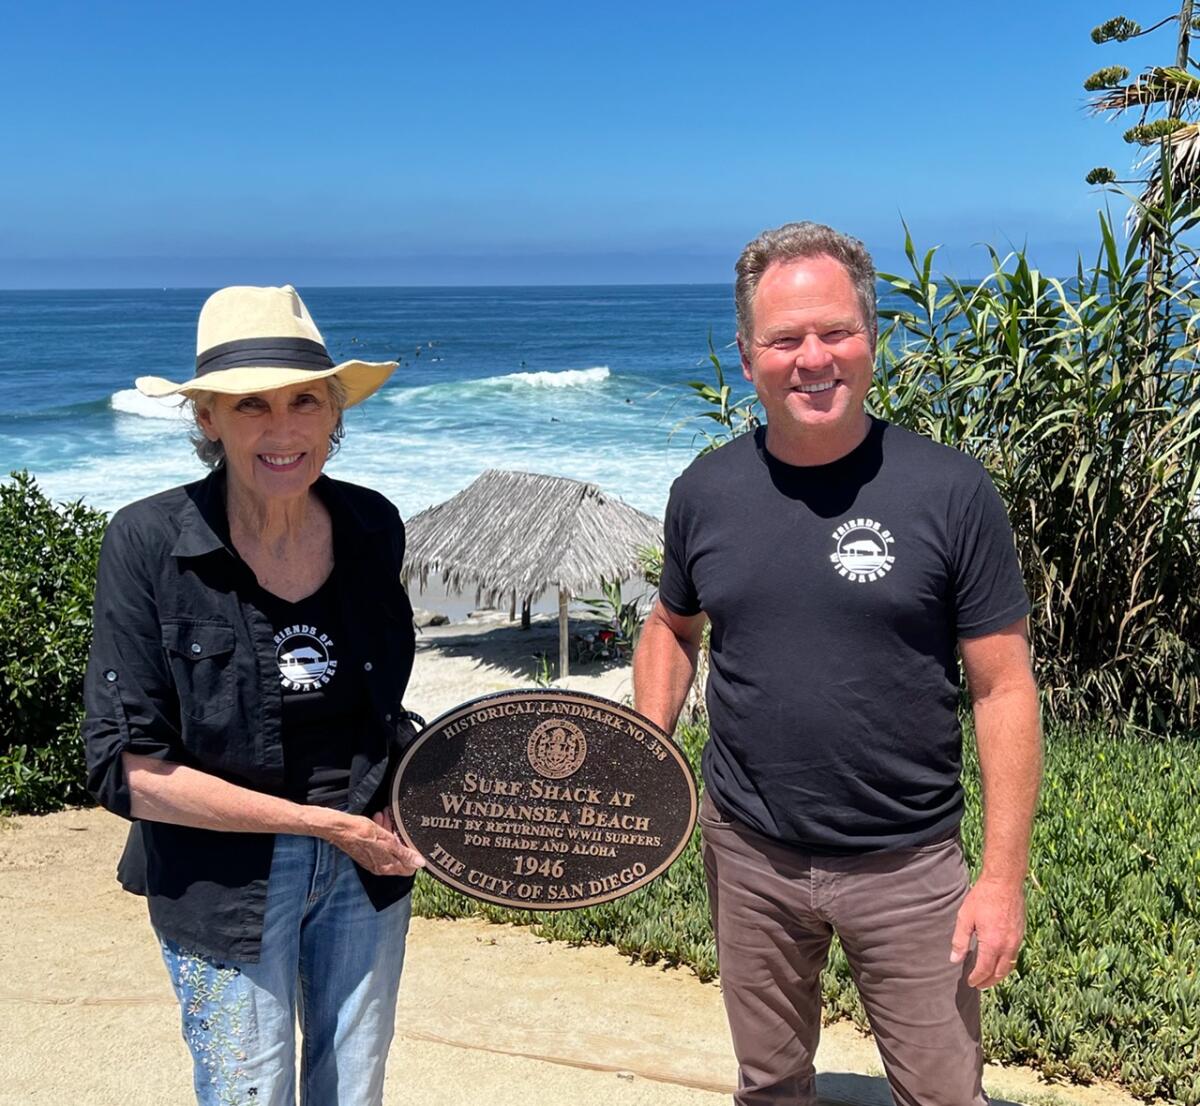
216, 1017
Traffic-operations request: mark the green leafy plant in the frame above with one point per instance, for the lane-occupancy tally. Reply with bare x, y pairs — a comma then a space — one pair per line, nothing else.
650, 561
733, 416
1119, 29
1166, 100
624, 619
543, 670
1108, 77
1146, 134
48, 557
1089, 423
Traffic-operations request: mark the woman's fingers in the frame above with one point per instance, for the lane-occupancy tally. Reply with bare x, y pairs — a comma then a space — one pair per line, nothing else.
372, 842
412, 859
403, 861
409, 859
384, 819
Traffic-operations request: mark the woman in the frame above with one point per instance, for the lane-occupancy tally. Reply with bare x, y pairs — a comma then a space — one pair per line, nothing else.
252, 646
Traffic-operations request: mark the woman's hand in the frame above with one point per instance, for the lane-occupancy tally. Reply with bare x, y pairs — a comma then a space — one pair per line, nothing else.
373, 843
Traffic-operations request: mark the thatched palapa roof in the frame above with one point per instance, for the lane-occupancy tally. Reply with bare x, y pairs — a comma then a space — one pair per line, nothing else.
523, 532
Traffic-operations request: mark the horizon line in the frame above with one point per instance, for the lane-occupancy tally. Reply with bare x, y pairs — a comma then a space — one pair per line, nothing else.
4, 288
398, 287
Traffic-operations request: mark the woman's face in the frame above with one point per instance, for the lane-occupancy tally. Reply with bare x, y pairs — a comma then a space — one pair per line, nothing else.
275, 442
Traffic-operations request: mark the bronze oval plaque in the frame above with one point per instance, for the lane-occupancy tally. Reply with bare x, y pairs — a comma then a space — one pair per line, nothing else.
544, 800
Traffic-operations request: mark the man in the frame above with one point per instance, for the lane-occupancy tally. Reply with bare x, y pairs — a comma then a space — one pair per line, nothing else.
840, 561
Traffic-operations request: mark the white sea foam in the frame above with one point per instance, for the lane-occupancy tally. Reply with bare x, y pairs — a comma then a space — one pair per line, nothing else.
564, 378
417, 455
640, 472
413, 470
129, 401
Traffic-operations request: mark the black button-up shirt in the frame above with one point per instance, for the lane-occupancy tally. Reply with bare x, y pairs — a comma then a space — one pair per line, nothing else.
183, 668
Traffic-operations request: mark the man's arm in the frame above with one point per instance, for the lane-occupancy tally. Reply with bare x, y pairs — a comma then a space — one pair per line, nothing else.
664, 664
1008, 734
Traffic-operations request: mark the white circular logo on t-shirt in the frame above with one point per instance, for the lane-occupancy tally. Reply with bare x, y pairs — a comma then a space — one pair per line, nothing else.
305, 658
863, 550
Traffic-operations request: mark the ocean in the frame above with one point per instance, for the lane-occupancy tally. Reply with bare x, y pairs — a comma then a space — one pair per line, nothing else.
573, 381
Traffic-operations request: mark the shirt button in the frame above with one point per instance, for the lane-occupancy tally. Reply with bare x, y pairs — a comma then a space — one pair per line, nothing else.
195, 647
367, 667
110, 676
387, 717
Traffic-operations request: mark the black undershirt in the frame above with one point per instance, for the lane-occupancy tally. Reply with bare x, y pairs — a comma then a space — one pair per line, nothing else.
321, 697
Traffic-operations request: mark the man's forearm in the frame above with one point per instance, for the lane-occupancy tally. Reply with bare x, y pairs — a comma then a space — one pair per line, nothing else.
1008, 734
664, 668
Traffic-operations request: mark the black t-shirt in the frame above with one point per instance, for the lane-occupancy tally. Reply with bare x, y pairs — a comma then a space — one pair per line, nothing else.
322, 700
837, 594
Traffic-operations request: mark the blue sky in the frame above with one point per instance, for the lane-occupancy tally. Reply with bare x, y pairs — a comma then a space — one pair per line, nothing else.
479, 143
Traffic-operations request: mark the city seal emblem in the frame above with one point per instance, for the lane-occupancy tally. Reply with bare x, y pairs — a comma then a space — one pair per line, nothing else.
556, 749
862, 550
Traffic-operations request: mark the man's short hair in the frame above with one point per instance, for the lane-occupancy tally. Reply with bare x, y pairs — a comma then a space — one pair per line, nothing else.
794, 241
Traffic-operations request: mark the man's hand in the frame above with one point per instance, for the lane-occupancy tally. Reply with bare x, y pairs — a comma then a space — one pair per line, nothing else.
372, 843
994, 912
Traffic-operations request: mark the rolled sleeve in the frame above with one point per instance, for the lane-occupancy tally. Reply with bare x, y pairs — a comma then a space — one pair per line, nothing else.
129, 697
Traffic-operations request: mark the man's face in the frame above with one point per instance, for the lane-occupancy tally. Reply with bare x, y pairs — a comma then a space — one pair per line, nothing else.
810, 355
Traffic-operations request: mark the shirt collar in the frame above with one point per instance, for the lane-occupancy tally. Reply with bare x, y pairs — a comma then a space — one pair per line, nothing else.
204, 525
347, 515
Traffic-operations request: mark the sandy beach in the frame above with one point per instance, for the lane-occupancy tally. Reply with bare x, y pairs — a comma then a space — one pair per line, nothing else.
487, 653
488, 1014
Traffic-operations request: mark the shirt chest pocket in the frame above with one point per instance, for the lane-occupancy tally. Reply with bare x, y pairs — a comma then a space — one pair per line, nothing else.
201, 655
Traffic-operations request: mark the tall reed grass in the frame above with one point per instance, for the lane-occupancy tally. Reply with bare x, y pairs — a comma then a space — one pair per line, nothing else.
1082, 399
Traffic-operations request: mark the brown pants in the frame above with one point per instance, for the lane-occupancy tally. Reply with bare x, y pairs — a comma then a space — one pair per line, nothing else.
774, 911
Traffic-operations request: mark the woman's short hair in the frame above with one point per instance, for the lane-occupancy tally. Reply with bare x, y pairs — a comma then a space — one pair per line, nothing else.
213, 453
792, 242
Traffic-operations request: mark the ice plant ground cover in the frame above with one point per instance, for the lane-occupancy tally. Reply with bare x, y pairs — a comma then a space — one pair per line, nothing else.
1106, 986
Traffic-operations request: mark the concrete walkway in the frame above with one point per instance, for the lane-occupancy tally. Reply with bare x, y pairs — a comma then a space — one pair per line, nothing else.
488, 1014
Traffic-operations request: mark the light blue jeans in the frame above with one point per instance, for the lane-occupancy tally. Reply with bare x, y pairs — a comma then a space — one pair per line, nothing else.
328, 957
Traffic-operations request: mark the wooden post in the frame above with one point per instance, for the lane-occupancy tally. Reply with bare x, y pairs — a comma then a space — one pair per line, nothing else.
564, 633
526, 604
512, 607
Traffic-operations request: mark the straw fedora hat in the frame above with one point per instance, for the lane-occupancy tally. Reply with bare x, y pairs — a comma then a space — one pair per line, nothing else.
256, 339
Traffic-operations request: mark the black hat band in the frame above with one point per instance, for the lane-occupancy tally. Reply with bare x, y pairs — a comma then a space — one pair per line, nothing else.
266, 353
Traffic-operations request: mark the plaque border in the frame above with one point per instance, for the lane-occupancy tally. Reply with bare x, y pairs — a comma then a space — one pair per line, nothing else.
524, 695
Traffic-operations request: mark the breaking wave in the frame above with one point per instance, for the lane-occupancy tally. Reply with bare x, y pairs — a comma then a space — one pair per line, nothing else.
129, 401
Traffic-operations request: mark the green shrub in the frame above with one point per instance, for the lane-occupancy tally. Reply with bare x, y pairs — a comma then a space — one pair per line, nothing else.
48, 559
1082, 399
1106, 984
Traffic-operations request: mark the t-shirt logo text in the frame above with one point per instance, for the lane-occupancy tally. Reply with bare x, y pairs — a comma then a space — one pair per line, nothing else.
863, 550
305, 658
